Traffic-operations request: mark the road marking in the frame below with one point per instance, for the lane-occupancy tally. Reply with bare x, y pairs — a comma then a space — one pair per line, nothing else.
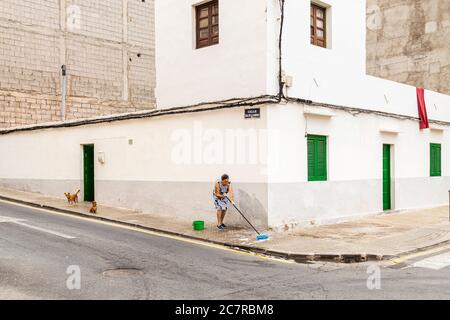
420, 254
435, 262
154, 233
8, 219
20, 222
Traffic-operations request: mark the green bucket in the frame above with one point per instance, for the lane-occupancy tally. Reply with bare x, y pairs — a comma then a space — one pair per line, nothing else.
198, 225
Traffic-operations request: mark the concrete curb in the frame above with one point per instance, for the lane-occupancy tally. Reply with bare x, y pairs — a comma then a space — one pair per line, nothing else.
297, 257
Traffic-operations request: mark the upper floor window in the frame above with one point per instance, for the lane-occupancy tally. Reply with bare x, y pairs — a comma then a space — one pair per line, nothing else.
318, 26
207, 21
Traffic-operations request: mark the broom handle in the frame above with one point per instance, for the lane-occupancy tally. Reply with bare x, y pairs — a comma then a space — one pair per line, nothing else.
243, 215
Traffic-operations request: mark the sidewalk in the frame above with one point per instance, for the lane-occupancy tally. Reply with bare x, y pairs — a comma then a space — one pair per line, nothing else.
380, 237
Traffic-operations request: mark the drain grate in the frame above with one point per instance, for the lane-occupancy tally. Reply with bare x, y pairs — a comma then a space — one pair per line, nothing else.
122, 272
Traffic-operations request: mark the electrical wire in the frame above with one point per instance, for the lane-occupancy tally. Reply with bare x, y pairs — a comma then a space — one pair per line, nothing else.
354, 111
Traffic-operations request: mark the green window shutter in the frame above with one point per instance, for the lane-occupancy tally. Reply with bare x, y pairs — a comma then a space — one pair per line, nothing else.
435, 160
438, 160
322, 159
432, 161
317, 158
311, 166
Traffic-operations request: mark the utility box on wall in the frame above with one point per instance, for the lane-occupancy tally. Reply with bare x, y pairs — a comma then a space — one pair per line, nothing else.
101, 157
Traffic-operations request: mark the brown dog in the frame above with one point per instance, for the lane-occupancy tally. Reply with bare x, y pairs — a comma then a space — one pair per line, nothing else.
94, 207
72, 198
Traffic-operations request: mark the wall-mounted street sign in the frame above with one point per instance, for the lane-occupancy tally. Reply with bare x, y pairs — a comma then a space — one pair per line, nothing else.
252, 113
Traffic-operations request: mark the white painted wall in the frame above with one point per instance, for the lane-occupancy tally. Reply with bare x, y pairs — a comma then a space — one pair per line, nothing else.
170, 169
150, 157
336, 75
236, 67
354, 166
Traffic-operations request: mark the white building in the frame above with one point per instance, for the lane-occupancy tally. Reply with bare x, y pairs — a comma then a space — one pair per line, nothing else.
340, 144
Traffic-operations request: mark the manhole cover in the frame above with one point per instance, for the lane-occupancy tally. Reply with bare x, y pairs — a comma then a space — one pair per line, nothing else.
122, 272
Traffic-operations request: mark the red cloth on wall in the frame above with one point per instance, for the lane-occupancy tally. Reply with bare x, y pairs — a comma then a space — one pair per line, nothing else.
422, 108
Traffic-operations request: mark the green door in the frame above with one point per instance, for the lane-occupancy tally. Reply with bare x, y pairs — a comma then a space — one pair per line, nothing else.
386, 177
88, 172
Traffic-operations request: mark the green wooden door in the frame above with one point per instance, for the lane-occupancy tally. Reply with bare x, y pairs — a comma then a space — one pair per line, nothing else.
88, 165
386, 177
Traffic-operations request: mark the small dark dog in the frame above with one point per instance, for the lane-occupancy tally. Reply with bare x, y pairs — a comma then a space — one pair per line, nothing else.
72, 198
94, 207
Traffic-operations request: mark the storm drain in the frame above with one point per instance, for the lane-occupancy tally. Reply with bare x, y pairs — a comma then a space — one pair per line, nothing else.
122, 272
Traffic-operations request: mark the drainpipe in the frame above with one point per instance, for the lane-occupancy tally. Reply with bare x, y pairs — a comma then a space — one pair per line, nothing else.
63, 92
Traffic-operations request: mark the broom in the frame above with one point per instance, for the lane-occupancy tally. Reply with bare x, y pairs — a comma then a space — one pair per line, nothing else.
259, 236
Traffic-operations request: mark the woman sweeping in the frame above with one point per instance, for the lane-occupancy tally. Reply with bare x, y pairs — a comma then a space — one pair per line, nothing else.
222, 195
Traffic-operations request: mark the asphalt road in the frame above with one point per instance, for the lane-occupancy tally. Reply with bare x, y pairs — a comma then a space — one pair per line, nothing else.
38, 248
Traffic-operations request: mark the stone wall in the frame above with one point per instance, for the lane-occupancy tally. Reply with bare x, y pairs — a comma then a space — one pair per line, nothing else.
108, 48
408, 41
